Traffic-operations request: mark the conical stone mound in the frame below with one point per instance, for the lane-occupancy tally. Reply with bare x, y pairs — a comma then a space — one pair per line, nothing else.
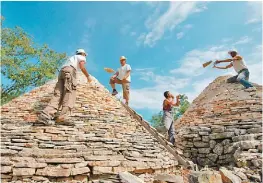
105, 140
223, 126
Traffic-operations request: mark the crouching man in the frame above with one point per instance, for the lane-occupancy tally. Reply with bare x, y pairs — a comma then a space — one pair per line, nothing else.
65, 90
238, 63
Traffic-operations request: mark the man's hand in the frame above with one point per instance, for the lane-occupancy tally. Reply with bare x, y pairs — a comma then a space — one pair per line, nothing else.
89, 79
217, 61
177, 97
113, 77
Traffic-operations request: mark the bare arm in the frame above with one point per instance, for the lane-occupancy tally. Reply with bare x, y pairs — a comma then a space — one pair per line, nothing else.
226, 67
177, 101
84, 70
172, 103
226, 60
229, 60
115, 75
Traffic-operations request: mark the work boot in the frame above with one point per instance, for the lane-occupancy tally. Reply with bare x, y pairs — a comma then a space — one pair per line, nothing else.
64, 121
45, 119
114, 92
250, 89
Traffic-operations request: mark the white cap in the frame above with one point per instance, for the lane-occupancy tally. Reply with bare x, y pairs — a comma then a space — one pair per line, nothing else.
232, 51
123, 58
81, 51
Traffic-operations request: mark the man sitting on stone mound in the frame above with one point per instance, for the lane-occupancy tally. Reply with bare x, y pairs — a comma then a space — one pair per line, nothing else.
240, 67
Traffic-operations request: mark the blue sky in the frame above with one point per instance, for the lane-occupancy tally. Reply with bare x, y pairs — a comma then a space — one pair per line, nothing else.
165, 42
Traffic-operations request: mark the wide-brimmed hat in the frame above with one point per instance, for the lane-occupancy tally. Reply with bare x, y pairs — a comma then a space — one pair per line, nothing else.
123, 58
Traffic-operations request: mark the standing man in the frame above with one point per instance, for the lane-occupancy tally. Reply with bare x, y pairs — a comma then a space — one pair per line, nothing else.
168, 117
240, 67
65, 89
123, 77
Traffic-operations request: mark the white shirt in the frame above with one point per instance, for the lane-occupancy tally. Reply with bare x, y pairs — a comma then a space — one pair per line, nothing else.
123, 71
74, 61
239, 64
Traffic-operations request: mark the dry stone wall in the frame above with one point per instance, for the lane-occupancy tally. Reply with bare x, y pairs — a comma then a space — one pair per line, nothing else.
223, 126
104, 141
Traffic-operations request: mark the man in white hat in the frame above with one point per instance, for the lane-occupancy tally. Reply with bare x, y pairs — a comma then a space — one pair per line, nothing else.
65, 90
123, 77
240, 67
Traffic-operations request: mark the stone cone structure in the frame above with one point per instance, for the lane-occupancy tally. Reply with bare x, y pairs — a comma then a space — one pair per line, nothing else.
105, 140
223, 126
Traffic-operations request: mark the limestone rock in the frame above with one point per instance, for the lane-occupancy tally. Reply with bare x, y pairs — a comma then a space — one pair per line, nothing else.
23, 171
228, 176
129, 178
169, 178
209, 176
218, 149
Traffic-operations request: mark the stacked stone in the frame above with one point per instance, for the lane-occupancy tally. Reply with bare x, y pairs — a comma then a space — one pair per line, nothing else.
104, 141
223, 126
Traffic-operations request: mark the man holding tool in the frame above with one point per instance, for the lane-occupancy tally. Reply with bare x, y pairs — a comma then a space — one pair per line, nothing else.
240, 67
65, 89
168, 117
123, 77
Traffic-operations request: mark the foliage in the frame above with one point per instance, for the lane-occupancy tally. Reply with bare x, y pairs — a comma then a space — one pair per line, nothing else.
25, 64
156, 120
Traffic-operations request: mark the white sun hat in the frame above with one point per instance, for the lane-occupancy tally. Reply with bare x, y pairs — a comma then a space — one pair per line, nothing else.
123, 58
81, 51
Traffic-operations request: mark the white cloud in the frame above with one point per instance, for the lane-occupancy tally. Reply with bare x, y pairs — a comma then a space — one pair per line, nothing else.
243, 40
152, 97
179, 35
254, 12
193, 60
177, 13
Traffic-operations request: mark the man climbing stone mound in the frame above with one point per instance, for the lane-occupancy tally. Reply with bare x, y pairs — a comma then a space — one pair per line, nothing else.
65, 90
240, 67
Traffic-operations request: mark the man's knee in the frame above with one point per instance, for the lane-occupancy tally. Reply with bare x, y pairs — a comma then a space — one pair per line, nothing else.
112, 81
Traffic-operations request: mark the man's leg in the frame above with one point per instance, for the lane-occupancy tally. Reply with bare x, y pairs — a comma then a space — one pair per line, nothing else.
126, 92
112, 83
67, 105
171, 133
243, 79
49, 112
232, 79
69, 97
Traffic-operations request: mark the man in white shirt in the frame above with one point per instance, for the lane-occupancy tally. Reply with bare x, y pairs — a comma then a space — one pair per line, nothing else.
123, 77
65, 89
240, 67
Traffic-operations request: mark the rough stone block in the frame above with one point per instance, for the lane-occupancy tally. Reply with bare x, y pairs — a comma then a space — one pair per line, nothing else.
23, 171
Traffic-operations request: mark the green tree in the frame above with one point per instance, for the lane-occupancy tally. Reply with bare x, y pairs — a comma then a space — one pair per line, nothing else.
25, 64
156, 120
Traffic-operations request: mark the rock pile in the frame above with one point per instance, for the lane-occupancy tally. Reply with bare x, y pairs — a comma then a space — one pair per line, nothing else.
223, 126
104, 141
